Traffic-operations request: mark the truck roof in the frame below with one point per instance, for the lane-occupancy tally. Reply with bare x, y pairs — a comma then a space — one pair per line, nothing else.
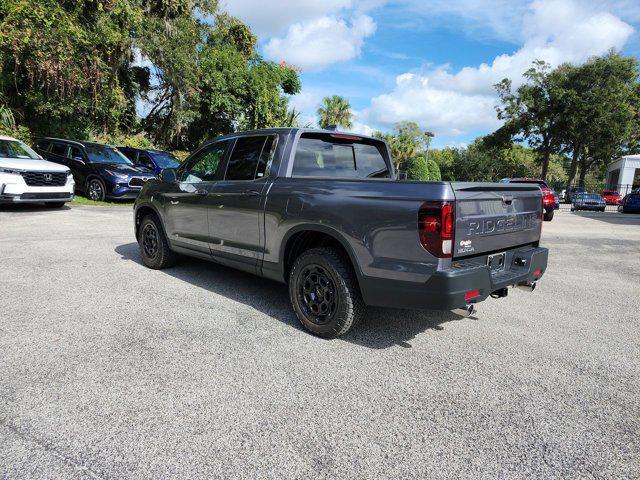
294, 130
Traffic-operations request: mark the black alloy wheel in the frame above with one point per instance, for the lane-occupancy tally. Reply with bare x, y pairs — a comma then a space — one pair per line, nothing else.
150, 240
324, 292
154, 247
317, 294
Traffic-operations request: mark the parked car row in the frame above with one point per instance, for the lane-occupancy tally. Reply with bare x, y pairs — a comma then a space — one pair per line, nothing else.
56, 168
26, 178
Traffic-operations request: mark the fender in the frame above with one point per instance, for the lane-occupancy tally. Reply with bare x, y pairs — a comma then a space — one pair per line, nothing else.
332, 232
150, 205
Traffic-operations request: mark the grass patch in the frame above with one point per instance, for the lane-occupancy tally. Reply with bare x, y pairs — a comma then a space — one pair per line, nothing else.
80, 200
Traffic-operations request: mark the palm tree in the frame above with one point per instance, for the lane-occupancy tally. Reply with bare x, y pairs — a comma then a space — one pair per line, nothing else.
335, 110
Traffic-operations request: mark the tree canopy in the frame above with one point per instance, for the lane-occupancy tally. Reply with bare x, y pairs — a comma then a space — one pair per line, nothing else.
588, 111
82, 69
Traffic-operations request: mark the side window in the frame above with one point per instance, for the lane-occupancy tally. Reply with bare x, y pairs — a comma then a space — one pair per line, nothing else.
130, 154
59, 149
204, 165
145, 160
75, 153
43, 145
245, 157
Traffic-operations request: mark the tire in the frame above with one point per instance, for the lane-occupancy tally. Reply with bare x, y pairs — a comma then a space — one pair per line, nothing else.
548, 216
324, 292
573, 209
96, 190
54, 204
153, 244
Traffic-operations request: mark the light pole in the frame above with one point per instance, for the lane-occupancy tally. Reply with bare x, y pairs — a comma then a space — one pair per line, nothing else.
428, 136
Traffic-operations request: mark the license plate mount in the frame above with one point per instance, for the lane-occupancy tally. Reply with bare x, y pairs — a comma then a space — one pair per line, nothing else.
496, 261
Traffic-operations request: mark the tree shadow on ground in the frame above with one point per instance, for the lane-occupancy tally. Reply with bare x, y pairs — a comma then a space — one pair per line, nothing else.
382, 327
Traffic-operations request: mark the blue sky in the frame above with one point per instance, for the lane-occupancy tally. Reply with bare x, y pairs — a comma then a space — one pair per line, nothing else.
434, 61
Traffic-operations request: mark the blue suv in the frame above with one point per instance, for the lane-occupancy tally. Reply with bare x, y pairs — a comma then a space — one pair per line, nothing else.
100, 171
154, 160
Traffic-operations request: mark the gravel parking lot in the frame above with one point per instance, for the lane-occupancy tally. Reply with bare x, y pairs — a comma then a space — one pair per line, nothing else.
111, 370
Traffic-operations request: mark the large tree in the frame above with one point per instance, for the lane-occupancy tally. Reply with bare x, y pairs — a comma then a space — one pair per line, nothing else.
335, 111
534, 112
589, 112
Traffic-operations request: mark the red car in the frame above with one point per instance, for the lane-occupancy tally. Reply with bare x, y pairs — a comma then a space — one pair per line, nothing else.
611, 197
548, 195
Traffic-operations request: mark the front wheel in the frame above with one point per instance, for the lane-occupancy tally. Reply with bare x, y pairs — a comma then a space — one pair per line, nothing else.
154, 247
96, 190
324, 292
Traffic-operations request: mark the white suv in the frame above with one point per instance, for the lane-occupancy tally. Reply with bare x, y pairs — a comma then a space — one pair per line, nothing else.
26, 178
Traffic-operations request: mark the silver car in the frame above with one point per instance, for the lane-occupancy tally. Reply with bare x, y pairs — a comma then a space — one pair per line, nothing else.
588, 201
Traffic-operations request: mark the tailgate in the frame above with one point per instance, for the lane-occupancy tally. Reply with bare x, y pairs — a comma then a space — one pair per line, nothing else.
495, 216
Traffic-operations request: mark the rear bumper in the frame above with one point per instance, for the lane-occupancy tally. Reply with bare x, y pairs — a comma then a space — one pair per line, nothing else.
447, 289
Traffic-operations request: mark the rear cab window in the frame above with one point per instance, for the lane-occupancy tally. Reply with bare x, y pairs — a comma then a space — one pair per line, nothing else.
327, 155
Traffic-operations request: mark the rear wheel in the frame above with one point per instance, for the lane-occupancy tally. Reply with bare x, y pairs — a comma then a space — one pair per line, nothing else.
54, 204
154, 247
96, 190
324, 292
548, 216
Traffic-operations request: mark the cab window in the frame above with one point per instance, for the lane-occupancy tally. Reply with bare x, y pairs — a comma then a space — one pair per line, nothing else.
339, 156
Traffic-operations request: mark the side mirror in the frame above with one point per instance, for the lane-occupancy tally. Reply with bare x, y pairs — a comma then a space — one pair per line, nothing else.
78, 159
168, 175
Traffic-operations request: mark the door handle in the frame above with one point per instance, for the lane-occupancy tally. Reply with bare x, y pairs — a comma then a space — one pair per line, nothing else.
202, 192
251, 192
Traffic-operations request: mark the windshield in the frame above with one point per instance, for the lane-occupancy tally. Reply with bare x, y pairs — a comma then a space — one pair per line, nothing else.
166, 160
16, 149
105, 154
610, 193
590, 196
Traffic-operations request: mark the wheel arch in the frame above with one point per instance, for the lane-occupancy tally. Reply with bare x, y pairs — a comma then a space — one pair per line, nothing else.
307, 236
144, 210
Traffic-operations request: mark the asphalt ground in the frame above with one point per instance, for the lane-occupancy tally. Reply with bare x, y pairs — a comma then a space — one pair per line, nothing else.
111, 370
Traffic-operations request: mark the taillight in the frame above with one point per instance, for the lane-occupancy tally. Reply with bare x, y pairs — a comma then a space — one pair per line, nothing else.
436, 224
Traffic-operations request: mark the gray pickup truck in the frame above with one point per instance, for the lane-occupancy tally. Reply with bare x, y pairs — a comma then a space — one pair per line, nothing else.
323, 212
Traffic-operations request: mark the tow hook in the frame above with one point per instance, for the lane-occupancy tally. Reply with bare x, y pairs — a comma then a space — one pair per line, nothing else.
527, 287
465, 312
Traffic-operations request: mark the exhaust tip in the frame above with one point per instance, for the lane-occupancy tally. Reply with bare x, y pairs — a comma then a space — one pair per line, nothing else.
465, 312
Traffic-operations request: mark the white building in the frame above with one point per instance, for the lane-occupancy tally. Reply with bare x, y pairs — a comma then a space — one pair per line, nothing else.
624, 174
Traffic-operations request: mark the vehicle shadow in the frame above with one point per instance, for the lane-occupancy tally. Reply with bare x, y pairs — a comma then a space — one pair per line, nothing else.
382, 327
31, 207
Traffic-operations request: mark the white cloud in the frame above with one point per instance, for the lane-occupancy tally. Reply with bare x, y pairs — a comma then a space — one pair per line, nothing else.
453, 103
274, 18
318, 43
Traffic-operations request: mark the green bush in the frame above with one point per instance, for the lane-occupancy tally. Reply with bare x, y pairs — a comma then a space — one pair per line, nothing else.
418, 168
20, 132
